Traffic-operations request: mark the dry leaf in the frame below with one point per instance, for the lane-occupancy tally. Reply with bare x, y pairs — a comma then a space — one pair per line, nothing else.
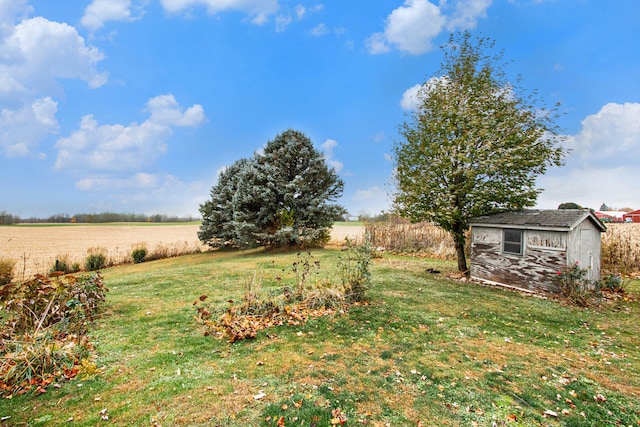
280, 422
599, 398
260, 395
551, 413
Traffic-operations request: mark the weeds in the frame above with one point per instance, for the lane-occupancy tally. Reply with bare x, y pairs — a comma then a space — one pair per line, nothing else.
576, 288
44, 333
6, 270
295, 305
355, 270
96, 259
64, 266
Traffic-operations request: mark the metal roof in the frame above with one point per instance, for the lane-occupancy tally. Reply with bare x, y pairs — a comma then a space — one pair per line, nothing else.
554, 219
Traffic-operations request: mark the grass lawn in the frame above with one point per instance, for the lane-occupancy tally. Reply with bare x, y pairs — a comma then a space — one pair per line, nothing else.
427, 350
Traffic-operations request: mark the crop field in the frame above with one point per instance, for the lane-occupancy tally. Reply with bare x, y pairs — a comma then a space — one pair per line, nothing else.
35, 248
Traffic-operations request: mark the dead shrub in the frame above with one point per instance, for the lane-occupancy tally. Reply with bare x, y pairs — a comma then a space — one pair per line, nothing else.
6, 270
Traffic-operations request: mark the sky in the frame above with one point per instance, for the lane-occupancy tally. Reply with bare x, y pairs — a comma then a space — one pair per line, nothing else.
135, 106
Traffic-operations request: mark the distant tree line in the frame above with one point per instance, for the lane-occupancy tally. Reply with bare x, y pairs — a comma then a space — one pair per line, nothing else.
93, 218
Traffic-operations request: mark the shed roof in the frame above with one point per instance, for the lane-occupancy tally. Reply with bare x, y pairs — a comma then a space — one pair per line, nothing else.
549, 219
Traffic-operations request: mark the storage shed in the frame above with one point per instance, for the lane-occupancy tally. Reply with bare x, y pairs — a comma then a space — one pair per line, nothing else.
526, 249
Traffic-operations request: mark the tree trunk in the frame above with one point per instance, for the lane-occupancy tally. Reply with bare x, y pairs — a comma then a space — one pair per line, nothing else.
459, 241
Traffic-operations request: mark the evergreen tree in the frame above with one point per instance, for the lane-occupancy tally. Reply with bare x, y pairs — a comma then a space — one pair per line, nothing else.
282, 197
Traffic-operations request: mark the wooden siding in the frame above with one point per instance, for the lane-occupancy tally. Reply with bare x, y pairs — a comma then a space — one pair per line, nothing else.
545, 253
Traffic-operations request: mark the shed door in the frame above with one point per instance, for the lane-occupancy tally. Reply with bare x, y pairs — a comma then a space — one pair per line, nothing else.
586, 251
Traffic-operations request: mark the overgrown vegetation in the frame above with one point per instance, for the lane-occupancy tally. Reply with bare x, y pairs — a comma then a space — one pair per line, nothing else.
64, 266
6, 270
44, 333
401, 236
309, 296
576, 288
621, 249
96, 259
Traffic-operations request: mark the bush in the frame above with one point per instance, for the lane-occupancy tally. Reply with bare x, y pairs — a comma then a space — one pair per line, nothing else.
6, 270
138, 255
576, 288
45, 330
63, 265
613, 283
354, 268
96, 260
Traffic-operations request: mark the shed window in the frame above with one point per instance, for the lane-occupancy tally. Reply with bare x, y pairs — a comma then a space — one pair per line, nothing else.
512, 242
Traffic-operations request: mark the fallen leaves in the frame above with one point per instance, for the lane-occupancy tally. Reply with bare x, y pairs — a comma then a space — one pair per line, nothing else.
237, 325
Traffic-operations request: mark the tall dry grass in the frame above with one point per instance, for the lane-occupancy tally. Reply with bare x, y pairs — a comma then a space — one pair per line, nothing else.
402, 236
621, 249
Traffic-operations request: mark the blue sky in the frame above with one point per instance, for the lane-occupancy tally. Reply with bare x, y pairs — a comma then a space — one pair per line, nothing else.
136, 105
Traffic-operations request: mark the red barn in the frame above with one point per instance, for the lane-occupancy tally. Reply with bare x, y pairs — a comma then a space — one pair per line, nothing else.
632, 216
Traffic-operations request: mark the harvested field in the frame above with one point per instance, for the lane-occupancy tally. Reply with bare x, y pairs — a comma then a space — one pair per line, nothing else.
35, 248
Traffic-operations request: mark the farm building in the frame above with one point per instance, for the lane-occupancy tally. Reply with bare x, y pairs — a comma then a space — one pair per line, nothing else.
526, 249
632, 216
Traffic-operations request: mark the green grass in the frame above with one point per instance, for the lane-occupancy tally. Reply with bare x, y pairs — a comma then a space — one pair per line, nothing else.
427, 349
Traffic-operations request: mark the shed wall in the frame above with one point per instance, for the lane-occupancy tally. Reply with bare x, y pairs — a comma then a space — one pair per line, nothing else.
544, 254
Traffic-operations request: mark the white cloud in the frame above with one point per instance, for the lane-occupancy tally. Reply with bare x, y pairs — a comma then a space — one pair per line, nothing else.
319, 30
372, 201
117, 148
298, 13
604, 159
282, 22
45, 51
100, 11
412, 27
35, 54
12, 11
258, 10
22, 129
409, 101
467, 13
147, 192
327, 149
165, 110
610, 135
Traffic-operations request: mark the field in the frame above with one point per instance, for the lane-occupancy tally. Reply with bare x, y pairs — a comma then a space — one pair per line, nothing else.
427, 350
35, 248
